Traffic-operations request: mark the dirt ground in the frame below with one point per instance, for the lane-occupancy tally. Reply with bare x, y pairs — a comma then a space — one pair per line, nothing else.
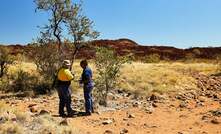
166, 118
186, 112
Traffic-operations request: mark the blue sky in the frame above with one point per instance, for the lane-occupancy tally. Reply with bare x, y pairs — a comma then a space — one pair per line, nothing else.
179, 23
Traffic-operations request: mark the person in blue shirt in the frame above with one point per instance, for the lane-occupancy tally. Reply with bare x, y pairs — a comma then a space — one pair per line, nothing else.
86, 80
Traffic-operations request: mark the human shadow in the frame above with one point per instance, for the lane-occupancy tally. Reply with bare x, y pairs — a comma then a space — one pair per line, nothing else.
217, 74
74, 114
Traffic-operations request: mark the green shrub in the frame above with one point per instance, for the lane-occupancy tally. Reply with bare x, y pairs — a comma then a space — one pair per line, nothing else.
4, 84
5, 60
23, 82
189, 56
108, 66
48, 61
153, 58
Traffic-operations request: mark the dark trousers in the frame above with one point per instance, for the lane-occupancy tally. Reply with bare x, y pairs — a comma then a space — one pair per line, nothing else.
88, 99
64, 94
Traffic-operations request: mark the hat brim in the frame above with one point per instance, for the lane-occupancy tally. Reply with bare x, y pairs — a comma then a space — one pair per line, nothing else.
67, 64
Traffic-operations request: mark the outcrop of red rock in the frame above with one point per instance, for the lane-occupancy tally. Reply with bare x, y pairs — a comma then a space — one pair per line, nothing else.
126, 46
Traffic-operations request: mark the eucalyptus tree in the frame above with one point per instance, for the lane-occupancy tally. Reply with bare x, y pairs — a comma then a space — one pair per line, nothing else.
58, 9
66, 14
80, 27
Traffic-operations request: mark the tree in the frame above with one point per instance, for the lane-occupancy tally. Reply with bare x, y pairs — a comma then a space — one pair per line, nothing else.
108, 66
53, 30
5, 60
80, 28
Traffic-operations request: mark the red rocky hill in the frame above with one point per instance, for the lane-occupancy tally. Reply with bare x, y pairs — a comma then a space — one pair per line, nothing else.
126, 46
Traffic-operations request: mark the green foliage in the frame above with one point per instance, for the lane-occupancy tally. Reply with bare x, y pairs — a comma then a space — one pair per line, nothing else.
189, 56
25, 84
69, 15
80, 28
108, 66
23, 81
58, 9
5, 60
47, 61
79, 25
4, 84
152, 58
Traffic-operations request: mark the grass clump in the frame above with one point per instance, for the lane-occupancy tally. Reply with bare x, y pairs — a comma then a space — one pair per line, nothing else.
160, 77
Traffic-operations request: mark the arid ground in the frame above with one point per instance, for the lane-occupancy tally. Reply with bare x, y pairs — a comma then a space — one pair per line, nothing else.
161, 98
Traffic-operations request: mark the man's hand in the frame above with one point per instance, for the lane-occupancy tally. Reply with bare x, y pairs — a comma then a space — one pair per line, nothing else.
72, 73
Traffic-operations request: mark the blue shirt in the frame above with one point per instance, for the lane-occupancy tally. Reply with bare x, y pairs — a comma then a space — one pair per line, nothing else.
86, 77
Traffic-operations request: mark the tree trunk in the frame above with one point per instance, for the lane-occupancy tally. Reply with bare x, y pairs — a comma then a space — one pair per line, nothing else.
107, 90
73, 57
2, 69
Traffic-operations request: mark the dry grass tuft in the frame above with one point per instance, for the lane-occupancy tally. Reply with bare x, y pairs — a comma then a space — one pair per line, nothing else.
11, 128
162, 77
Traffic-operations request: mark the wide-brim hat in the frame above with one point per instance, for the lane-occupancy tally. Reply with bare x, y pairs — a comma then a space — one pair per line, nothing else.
67, 62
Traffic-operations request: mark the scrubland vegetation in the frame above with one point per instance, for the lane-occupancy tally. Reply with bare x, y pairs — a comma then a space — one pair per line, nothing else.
135, 76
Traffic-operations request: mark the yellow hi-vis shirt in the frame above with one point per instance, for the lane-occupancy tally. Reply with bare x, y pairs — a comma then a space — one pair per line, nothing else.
65, 75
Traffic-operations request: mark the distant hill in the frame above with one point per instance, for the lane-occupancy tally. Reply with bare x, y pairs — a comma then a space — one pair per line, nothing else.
127, 46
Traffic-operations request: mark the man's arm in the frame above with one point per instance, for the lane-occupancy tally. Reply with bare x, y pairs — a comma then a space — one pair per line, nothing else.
69, 75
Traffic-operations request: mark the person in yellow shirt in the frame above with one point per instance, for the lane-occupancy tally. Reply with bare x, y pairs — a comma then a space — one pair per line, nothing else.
64, 77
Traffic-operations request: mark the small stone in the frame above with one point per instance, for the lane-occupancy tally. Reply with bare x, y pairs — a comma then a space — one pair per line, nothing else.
119, 91
14, 119
216, 112
33, 109
205, 117
129, 94
108, 132
149, 110
31, 105
201, 99
42, 112
153, 97
131, 116
98, 112
124, 131
215, 121
154, 105
215, 96
106, 122
183, 116
125, 119
182, 104
136, 104
64, 122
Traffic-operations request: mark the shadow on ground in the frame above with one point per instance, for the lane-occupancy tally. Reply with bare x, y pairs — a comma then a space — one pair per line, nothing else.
75, 114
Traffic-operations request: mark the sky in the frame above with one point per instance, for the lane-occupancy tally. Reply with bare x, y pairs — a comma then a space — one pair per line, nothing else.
178, 23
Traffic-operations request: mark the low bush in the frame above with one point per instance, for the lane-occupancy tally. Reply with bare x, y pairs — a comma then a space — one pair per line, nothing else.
5, 60
153, 58
25, 84
48, 61
108, 66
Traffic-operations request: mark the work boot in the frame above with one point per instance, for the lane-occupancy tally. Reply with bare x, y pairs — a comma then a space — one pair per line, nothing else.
87, 114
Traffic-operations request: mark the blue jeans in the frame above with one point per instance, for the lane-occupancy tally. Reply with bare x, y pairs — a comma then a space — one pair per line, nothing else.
88, 99
64, 94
